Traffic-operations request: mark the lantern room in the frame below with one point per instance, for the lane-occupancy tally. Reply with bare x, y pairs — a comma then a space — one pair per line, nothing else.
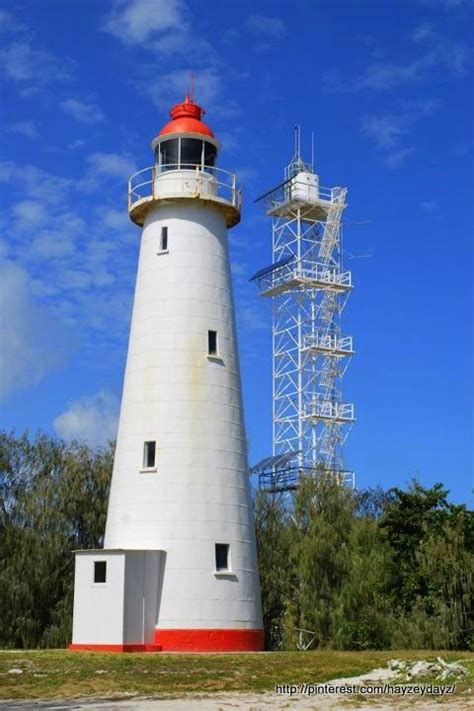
185, 141
184, 168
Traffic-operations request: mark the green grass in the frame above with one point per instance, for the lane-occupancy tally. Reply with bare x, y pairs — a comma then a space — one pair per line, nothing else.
65, 674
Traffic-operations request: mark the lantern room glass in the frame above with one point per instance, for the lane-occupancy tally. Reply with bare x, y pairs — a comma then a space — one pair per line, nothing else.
182, 153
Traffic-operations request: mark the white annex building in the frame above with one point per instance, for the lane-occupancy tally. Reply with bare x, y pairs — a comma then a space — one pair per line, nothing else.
179, 569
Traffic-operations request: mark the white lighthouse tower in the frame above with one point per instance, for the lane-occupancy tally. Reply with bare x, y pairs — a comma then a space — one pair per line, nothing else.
179, 569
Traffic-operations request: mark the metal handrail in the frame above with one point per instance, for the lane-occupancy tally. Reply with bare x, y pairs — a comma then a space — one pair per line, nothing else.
223, 181
318, 407
305, 269
282, 193
328, 341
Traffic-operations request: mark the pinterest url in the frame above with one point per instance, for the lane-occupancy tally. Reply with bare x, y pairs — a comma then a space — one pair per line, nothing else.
368, 689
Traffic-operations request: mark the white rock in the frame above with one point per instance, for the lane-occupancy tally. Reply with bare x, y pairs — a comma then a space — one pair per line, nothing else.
396, 664
15, 671
452, 667
422, 668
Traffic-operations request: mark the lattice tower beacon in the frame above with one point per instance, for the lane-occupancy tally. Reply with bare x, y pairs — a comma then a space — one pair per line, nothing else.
309, 288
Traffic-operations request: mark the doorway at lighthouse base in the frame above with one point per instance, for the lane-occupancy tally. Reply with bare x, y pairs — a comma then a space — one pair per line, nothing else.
117, 597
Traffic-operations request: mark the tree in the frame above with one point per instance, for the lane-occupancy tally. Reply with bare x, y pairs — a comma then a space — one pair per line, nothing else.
273, 547
408, 518
431, 573
320, 531
53, 500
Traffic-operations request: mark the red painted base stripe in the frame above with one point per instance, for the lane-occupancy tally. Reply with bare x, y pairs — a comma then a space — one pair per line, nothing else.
115, 647
210, 640
179, 640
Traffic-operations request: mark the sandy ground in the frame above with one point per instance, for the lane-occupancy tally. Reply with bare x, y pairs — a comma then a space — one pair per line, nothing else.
258, 702
229, 702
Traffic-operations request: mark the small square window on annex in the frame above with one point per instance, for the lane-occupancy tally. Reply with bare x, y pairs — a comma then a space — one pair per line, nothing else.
100, 571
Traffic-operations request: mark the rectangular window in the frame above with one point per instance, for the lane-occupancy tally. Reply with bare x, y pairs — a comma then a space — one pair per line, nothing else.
169, 151
212, 343
100, 571
149, 455
210, 153
191, 152
222, 556
164, 239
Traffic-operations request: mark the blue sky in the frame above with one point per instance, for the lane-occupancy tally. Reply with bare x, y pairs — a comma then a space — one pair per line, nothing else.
386, 88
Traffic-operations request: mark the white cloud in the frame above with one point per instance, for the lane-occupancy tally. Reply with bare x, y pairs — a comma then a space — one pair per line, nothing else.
53, 245
7, 171
115, 165
92, 418
239, 269
24, 128
269, 27
384, 129
448, 4
395, 159
59, 240
450, 58
162, 26
78, 143
31, 67
429, 205
436, 55
33, 342
29, 213
167, 88
82, 111
138, 21
75, 279
77, 267
184, 43
388, 129
35, 182
9, 23
5, 19
422, 32
386, 75
18, 61
116, 219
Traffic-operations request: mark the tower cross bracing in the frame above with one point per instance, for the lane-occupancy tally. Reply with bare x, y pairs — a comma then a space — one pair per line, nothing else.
309, 287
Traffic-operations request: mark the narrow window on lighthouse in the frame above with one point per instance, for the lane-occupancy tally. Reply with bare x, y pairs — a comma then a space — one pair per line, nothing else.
100, 571
222, 557
164, 239
212, 343
149, 455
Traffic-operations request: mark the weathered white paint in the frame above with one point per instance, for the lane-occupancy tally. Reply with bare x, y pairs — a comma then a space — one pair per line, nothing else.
191, 405
304, 186
123, 609
187, 182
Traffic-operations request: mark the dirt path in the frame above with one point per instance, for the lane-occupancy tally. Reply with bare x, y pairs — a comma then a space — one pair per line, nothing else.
229, 702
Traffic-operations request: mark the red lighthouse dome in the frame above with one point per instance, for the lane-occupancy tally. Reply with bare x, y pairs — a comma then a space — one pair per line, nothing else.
185, 141
186, 118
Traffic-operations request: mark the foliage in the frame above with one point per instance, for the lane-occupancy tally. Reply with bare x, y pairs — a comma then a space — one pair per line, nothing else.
367, 570
52, 501
273, 548
344, 570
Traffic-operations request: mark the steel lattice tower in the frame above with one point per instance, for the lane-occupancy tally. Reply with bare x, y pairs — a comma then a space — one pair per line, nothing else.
309, 288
